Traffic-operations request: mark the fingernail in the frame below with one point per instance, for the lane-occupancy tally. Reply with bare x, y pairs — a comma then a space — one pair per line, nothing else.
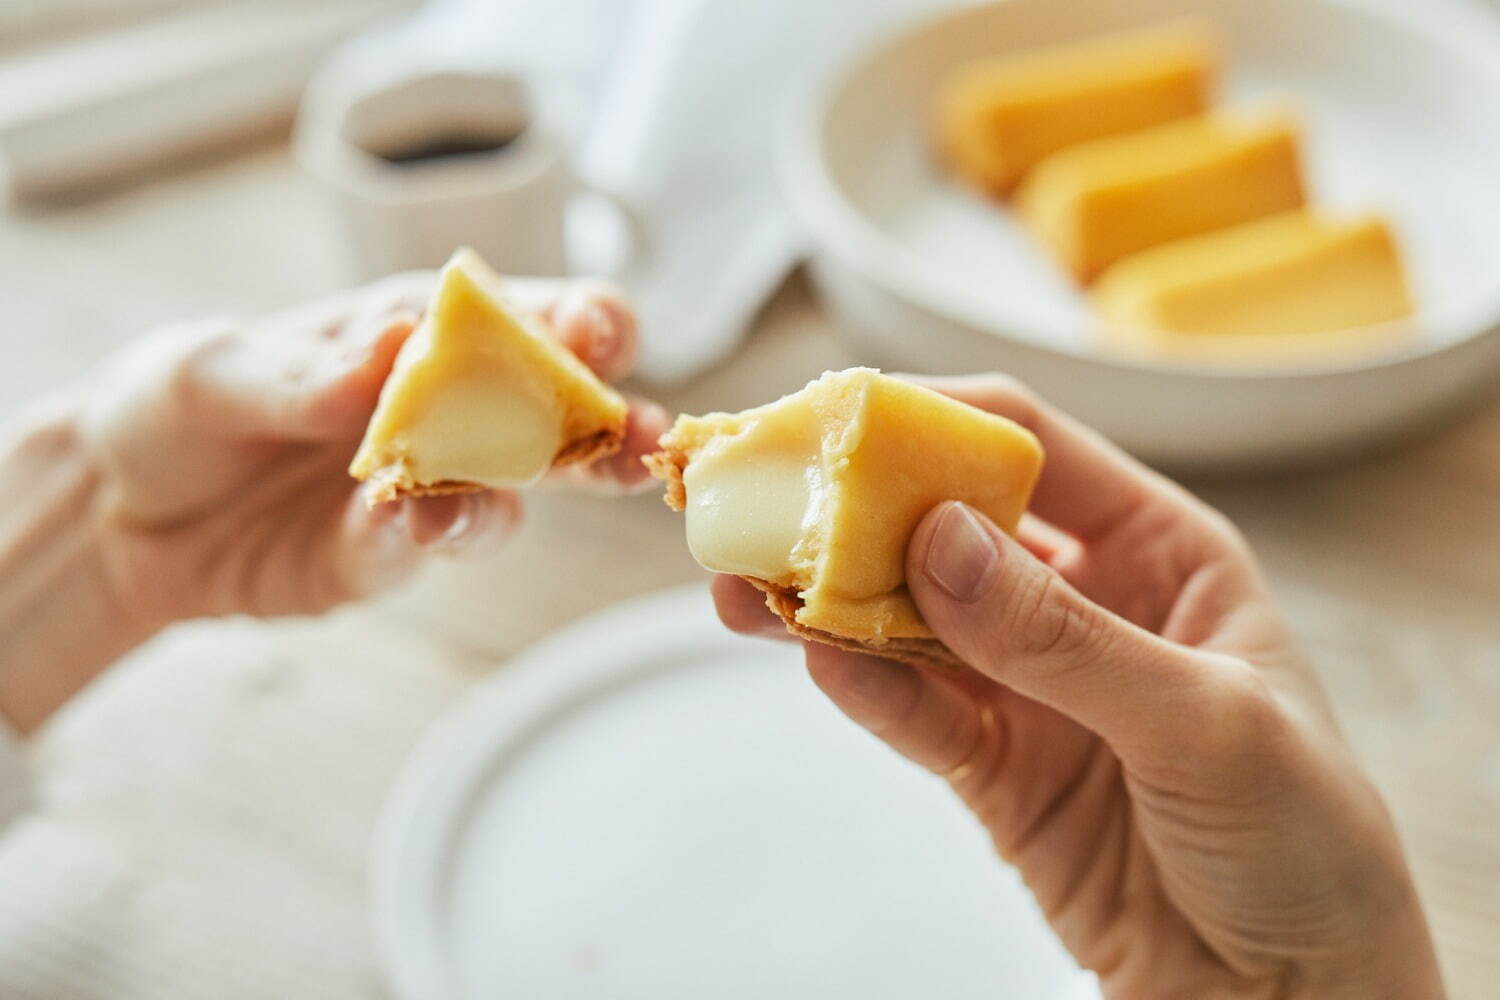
444, 523
463, 523
482, 520
961, 557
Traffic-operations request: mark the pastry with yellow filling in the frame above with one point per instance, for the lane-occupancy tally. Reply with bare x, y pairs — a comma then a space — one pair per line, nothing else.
481, 395
1098, 202
998, 117
813, 498
1294, 273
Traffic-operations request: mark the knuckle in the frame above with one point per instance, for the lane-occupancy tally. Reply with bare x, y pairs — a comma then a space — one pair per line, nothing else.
969, 753
899, 715
401, 291
361, 314
159, 375
1046, 621
185, 358
1247, 724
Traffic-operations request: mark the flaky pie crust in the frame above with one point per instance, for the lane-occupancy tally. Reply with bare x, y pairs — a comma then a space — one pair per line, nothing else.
394, 481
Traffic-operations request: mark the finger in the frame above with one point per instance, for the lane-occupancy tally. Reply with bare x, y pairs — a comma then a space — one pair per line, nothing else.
1044, 541
279, 386
1088, 487
381, 545
246, 385
447, 522
537, 295
593, 320
315, 373
406, 292
1018, 622
623, 471
929, 719
346, 313
589, 316
742, 608
311, 373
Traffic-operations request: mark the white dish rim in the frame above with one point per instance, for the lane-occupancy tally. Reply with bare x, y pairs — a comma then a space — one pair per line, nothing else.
860, 245
434, 783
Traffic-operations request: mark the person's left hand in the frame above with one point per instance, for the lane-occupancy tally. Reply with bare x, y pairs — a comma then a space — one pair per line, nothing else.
222, 449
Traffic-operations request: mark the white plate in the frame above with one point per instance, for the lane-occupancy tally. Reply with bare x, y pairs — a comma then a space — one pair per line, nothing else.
645, 806
1399, 116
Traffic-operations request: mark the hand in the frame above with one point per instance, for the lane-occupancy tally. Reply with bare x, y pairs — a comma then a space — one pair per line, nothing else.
1140, 736
204, 470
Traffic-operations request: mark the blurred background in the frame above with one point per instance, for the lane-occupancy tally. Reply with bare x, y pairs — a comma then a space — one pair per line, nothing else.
760, 178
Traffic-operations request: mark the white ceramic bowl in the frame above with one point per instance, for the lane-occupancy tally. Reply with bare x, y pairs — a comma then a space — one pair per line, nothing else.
1399, 112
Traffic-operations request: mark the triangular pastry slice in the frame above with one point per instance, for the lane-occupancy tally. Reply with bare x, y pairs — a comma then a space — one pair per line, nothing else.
1272, 285
481, 395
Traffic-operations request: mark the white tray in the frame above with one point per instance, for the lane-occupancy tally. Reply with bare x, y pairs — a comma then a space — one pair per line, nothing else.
646, 806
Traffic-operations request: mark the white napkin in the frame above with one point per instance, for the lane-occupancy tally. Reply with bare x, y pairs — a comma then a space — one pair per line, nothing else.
681, 100
677, 103
685, 134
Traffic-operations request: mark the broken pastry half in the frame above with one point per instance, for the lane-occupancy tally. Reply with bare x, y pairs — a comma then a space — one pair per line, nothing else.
813, 499
482, 395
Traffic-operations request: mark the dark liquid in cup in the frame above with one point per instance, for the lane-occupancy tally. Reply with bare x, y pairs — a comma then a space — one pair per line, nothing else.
449, 146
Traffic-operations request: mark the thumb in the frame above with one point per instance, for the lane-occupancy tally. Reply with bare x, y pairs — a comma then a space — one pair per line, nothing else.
1014, 619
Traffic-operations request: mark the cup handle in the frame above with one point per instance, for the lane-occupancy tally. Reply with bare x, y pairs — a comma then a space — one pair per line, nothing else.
637, 233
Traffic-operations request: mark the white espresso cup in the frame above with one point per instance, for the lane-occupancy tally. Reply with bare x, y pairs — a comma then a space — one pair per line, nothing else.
426, 161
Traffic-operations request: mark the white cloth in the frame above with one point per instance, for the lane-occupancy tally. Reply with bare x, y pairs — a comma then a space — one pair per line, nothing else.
676, 106
683, 100
200, 822
686, 133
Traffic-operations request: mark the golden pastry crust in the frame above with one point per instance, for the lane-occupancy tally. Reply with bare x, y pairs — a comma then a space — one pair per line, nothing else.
395, 482
668, 465
601, 444
785, 603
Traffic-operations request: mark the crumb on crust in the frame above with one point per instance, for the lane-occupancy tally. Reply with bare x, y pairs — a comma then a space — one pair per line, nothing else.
667, 465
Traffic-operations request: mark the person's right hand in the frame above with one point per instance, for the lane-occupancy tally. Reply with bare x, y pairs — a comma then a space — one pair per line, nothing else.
1140, 736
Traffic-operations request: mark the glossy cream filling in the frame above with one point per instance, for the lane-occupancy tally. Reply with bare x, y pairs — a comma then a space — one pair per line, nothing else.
483, 430
756, 513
